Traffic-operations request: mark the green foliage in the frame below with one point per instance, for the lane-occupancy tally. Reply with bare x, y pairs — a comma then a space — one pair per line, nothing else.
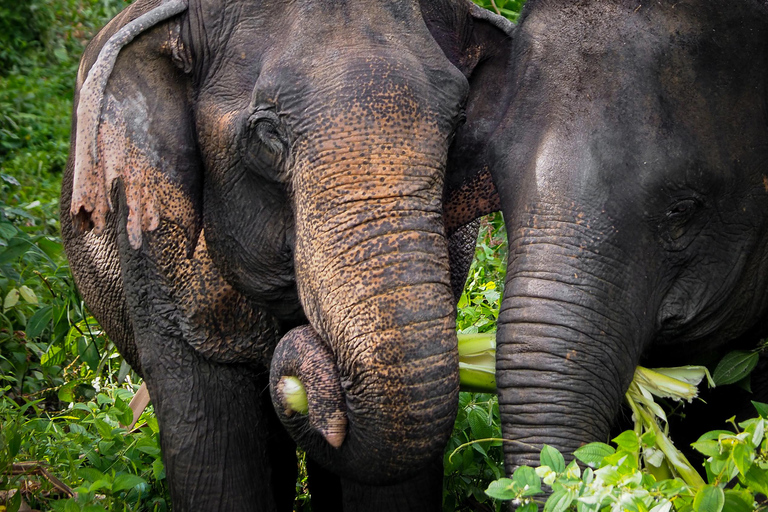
87, 450
479, 303
615, 479
510, 9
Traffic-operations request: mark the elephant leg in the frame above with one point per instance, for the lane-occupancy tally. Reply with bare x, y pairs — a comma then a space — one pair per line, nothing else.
200, 344
422, 493
213, 432
324, 487
281, 450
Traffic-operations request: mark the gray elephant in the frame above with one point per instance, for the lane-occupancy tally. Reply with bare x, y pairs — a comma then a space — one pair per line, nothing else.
242, 168
630, 159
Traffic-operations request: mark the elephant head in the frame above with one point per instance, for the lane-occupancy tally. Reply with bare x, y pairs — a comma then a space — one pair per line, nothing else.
240, 168
630, 164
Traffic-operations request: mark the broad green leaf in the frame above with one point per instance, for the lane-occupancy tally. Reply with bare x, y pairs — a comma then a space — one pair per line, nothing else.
98, 485
158, 469
14, 502
709, 447
89, 353
709, 498
53, 356
735, 501
104, 429
560, 500
94, 508
528, 507
501, 489
28, 294
67, 391
553, 458
735, 366
39, 321
526, 479
90, 474
762, 409
756, 479
7, 230
125, 481
479, 423
742, 456
627, 441
592, 454
11, 299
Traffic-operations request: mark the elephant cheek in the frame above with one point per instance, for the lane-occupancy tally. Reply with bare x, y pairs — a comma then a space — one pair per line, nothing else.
303, 365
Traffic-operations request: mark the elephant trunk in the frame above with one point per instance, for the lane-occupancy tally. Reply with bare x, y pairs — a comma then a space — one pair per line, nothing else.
568, 340
373, 274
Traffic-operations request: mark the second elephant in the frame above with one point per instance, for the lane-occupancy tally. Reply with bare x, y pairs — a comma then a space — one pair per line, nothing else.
630, 160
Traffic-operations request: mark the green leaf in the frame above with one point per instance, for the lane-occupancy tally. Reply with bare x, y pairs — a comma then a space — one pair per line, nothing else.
709, 498
11, 299
158, 469
627, 441
90, 474
39, 321
7, 230
553, 458
735, 366
104, 429
560, 500
28, 294
762, 409
757, 479
735, 502
89, 353
479, 423
592, 454
67, 391
526, 479
14, 502
528, 507
501, 489
742, 456
125, 481
94, 508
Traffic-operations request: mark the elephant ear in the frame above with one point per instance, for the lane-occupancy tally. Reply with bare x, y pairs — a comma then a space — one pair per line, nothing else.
132, 123
478, 43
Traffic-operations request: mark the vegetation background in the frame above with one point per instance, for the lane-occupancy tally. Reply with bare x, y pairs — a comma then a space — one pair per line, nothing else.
64, 390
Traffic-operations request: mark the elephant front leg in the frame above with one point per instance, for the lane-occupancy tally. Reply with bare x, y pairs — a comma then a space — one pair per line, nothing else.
421, 493
203, 349
214, 433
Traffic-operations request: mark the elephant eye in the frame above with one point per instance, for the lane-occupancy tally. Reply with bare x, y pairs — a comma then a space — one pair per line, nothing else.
676, 221
264, 146
682, 210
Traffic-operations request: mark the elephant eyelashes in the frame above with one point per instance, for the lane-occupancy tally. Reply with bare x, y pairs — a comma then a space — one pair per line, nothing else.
264, 147
675, 223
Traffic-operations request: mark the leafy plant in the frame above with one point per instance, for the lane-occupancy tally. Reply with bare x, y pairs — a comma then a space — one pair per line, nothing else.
612, 478
96, 463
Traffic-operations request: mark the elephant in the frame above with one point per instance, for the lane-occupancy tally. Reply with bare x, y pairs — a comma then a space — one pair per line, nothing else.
628, 150
246, 171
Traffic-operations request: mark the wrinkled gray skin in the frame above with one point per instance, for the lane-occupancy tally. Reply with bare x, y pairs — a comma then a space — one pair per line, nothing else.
630, 162
254, 166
